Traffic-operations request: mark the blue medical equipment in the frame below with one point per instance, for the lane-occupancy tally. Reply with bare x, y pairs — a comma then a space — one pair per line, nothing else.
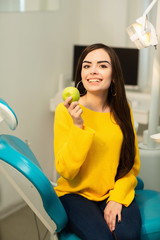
20, 166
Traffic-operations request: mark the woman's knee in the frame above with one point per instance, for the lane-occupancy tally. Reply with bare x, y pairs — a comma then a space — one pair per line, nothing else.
85, 218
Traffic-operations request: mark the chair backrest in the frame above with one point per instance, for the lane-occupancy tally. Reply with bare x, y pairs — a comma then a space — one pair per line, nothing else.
22, 169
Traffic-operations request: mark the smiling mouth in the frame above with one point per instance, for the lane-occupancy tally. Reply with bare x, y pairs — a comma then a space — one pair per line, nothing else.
94, 80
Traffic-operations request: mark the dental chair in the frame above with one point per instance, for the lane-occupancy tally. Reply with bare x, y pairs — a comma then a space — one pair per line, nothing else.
20, 166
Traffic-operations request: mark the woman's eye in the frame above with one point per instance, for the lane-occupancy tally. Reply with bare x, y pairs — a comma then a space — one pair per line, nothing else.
103, 66
86, 66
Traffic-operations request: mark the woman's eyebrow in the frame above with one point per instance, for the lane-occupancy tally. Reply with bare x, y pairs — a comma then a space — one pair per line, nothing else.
86, 62
104, 61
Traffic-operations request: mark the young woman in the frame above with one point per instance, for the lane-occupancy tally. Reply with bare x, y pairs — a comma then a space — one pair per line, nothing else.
96, 152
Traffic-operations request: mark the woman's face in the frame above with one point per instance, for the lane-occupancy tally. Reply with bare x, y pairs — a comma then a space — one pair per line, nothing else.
96, 71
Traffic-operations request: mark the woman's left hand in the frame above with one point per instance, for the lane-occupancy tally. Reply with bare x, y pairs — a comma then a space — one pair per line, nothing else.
111, 211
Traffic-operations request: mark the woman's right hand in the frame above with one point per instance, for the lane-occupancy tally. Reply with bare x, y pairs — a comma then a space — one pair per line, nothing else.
75, 111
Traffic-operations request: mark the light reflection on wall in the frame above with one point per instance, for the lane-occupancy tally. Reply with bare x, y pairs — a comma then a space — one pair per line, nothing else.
28, 5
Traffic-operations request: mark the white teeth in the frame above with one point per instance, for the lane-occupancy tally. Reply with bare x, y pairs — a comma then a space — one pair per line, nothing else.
94, 80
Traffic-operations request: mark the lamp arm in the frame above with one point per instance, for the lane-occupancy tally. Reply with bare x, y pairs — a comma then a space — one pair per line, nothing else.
149, 8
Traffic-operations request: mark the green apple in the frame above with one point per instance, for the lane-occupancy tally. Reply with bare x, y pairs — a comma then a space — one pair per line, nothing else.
71, 92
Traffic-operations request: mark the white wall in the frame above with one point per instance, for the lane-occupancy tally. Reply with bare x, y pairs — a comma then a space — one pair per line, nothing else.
34, 49
106, 21
103, 21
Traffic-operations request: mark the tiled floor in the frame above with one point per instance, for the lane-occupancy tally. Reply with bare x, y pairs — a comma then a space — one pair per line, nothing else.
22, 226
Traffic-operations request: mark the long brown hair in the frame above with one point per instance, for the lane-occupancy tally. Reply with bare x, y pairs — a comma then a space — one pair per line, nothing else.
118, 104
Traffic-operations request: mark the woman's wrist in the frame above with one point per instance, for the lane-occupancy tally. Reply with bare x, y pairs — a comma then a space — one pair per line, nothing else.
79, 125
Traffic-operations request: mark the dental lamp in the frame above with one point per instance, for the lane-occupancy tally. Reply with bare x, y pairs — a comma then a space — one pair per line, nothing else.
143, 33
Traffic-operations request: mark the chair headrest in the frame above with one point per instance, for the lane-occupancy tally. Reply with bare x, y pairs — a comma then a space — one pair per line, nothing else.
7, 114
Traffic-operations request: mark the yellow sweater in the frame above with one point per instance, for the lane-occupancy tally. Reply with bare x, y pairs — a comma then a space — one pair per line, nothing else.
87, 159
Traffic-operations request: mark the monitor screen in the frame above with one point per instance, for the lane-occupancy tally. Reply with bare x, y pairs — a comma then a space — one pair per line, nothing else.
128, 57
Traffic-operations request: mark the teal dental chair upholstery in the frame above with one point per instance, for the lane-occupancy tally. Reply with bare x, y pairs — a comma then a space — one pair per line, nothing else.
21, 168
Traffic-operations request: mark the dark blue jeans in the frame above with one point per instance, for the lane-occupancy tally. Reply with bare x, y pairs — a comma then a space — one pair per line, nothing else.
86, 219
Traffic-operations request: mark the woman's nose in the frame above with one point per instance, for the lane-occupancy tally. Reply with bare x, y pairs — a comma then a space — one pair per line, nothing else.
94, 70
